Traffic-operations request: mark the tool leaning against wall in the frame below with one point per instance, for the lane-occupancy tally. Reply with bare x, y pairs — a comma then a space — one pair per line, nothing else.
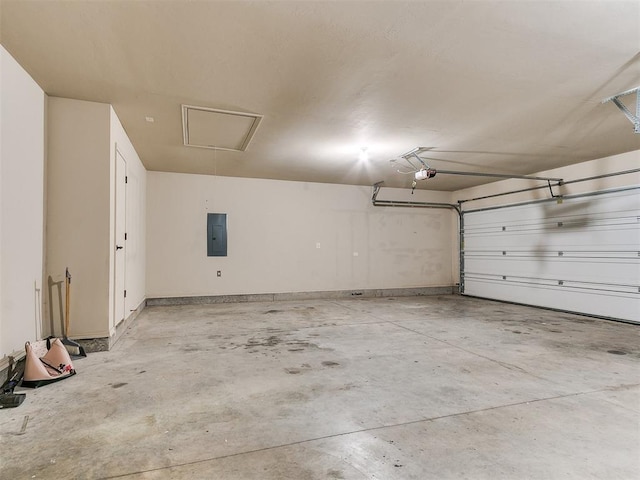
75, 349
46, 361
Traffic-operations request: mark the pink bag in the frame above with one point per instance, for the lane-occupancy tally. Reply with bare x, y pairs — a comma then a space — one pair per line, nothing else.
47, 361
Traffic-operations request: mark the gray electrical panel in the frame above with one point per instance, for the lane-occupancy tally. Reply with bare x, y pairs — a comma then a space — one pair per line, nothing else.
216, 234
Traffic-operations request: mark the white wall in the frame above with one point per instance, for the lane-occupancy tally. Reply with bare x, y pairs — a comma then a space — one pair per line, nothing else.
273, 231
78, 211
22, 110
82, 142
136, 196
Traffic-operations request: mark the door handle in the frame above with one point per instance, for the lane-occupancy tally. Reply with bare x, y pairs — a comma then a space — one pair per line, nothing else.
119, 247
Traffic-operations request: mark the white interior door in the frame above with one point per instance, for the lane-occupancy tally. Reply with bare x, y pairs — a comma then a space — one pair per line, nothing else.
120, 239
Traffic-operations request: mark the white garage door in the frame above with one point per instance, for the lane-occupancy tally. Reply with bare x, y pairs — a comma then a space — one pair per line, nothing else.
580, 255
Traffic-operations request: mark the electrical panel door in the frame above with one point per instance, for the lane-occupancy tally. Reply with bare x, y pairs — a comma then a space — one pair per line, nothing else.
216, 234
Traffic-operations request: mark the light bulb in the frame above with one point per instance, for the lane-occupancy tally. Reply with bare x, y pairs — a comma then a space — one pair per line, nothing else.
364, 155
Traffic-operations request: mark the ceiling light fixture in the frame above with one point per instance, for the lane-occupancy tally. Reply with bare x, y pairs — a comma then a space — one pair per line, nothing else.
364, 154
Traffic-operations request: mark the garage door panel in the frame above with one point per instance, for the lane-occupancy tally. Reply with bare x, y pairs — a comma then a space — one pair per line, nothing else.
588, 209
605, 271
606, 304
597, 239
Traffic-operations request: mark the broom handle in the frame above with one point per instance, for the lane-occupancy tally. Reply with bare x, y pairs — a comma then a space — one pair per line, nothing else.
67, 278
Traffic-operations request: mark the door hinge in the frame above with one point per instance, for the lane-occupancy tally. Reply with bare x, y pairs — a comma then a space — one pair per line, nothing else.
125, 294
126, 179
125, 236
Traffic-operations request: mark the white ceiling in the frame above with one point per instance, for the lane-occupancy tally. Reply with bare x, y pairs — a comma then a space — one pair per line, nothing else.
508, 87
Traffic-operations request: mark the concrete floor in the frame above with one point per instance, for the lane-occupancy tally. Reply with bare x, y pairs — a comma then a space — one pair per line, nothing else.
442, 387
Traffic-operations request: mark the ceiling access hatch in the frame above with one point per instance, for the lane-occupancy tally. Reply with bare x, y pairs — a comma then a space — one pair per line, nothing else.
205, 127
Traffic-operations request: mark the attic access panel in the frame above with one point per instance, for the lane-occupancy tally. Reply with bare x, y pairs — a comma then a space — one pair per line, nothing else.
205, 127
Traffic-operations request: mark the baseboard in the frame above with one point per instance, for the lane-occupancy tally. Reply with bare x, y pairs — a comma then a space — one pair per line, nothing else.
123, 325
289, 296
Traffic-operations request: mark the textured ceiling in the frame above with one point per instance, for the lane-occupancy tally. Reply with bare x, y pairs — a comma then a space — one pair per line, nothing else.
507, 87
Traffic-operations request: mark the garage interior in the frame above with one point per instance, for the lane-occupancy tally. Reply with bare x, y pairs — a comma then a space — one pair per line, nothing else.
309, 240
